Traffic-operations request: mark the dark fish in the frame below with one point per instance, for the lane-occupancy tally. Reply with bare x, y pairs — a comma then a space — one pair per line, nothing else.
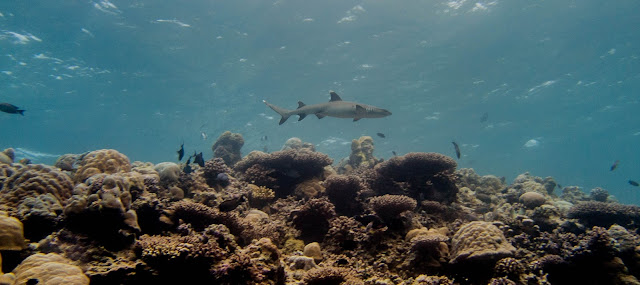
230, 204
11, 109
615, 165
181, 152
455, 145
394, 153
264, 138
484, 117
634, 183
187, 168
381, 135
198, 159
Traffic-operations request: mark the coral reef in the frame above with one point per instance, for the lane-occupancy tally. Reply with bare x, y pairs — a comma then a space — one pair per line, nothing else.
288, 217
227, 147
420, 175
108, 161
7, 156
49, 268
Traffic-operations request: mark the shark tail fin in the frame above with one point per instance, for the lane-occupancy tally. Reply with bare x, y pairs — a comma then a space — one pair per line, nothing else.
281, 111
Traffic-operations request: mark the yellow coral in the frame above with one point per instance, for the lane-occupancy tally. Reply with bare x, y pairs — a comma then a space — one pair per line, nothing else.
478, 241
50, 269
11, 233
107, 161
261, 193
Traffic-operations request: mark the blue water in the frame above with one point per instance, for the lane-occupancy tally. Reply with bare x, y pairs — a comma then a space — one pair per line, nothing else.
144, 76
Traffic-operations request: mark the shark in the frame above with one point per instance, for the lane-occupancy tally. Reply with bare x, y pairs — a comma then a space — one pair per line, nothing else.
334, 108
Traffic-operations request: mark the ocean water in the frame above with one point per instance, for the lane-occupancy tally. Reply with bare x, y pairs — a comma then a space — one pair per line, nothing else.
558, 80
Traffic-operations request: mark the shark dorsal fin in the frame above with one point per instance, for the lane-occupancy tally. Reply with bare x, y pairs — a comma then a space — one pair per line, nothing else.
300, 104
334, 96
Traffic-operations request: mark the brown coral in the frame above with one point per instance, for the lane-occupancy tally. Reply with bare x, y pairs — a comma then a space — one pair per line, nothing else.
11, 233
313, 218
50, 269
228, 146
282, 170
330, 275
606, 214
34, 180
428, 175
480, 241
343, 191
389, 207
107, 161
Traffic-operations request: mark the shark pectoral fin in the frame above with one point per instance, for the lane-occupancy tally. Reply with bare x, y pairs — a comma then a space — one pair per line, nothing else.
334, 96
320, 115
302, 116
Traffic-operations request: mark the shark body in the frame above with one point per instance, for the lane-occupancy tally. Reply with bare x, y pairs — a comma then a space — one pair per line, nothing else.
334, 108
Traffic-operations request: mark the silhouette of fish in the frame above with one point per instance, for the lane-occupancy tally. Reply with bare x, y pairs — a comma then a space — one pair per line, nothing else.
381, 135
615, 165
198, 159
634, 183
394, 153
484, 117
181, 152
187, 168
455, 145
232, 203
11, 109
264, 138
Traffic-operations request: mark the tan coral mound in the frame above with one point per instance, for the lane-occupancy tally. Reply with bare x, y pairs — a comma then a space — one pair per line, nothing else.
11, 233
107, 161
32, 181
50, 269
480, 241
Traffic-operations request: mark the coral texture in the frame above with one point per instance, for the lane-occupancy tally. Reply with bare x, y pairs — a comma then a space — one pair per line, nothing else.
479, 241
227, 147
389, 207
108, 161
605, 214
50, 269
11, 233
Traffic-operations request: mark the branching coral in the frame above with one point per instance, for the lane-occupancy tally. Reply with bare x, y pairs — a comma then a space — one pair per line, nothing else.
259, 196
388, 207
258, 263
200, 216
313, 218
342, 191
282, 170
227, 147
107, 161
428, 175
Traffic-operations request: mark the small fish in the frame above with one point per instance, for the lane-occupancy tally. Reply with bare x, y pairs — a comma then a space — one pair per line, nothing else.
232, 203
381, 135
634, 183
187, 168
181, 152
455, 145
25, 161
203, 135
615, 165
484, 117
394, 153
11, 109
198, 159
559, 186
264, 138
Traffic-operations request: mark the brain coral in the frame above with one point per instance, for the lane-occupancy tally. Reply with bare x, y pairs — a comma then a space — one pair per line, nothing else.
107, 161
227, 147
34, 180
532, 199
479, 241
11, 233
50, 269
422, 174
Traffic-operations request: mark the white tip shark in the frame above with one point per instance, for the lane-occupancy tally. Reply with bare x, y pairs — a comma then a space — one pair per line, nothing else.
334, 108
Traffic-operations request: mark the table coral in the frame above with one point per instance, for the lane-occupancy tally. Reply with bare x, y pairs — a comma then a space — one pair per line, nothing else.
107, 161
11, 233
227, 147
479, 241
50, 269
429, 175
388, 207
605, 214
